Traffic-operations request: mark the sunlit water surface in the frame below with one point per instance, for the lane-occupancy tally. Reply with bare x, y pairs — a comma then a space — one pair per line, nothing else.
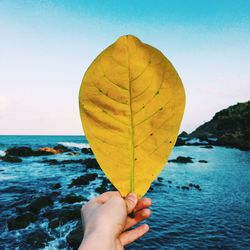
217, 217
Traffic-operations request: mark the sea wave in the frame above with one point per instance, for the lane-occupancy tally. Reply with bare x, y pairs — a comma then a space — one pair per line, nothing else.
74, 145
7, 177
2, 153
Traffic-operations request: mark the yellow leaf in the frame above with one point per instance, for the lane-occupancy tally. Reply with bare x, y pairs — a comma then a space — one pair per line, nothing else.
131, 105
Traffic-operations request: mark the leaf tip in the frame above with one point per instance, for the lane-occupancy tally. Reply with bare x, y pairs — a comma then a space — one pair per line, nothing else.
128, 38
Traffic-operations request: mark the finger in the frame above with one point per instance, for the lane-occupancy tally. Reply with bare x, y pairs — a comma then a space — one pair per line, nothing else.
143, 203
139, 216
132, 235
131, 201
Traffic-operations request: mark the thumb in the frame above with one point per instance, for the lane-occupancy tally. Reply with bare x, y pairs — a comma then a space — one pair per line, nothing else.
131, 201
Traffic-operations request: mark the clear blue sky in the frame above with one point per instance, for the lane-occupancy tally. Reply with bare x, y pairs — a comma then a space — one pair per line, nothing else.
46, 46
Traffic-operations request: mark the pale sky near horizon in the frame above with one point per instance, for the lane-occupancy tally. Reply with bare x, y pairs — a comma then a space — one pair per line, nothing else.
46, 46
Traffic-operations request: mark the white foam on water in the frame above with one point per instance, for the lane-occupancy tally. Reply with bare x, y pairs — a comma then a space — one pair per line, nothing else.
74, 145
2, 153
7, 177
61, 241
196, 140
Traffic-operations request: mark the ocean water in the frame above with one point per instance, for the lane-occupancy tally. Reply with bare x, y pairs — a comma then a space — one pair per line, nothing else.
215, 217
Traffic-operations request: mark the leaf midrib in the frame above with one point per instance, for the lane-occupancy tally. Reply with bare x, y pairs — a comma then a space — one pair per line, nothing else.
132, 167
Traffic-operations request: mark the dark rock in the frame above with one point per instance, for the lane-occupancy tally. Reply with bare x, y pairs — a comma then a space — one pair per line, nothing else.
83, 180
11, 159
22, 209
180, 142
68, 214
72, 199
101, 189
51, 161
26, 151
183, 134
207, 146
38, 238
21, 221
203, 138
75, 237
196, 186
79, 161
182, 159
91, 163
105, 182
54, 194
87, 151
203, 161
230, 126
62, 148
64, 215
105, 186
112, 188
178, 187
54, 223
40, 203
52, 214
185, 188
56, 186
160, 179
181, 139
158, 184
19, 151
169, 182
56, 162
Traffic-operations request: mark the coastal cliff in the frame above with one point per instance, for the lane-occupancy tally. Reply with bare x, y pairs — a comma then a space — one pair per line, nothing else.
231, 127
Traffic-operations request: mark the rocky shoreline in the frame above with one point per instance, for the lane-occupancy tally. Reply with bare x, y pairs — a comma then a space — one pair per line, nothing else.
42, 206
15, 154
228, 128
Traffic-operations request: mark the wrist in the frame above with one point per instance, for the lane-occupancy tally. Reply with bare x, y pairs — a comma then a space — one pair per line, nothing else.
96, 239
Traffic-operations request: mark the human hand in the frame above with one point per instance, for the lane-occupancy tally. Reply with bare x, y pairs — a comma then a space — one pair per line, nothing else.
106, 220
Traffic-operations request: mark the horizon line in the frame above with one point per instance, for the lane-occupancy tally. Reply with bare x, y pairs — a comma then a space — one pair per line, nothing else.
41, 135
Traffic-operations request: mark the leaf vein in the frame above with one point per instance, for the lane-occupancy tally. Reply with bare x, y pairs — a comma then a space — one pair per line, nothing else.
105, 76
106, 112
152, 97
100, 91
152, 115
148, 136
